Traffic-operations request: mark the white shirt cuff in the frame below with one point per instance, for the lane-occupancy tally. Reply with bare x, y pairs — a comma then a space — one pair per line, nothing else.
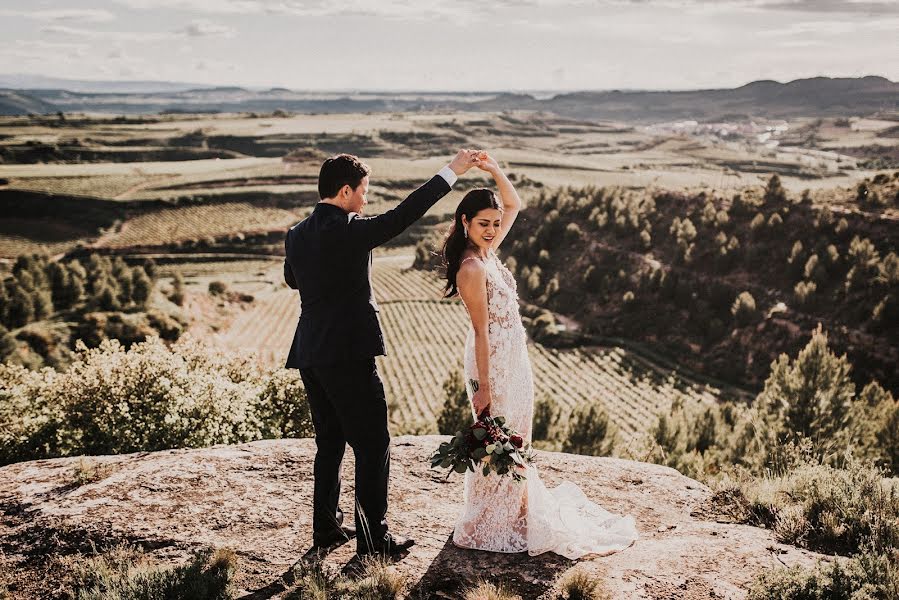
448, 175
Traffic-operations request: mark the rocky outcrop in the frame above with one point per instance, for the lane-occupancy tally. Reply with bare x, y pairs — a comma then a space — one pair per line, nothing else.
255, 498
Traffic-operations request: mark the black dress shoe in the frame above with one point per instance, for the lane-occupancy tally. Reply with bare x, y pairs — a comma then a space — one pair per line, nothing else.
391, 547
333, 538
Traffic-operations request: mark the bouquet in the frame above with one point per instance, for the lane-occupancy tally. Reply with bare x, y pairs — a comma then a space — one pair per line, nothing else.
487, 444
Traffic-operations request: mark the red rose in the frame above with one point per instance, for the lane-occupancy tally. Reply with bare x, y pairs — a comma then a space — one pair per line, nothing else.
517, 441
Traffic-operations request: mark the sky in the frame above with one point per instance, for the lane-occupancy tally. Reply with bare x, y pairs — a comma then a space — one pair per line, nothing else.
457, 45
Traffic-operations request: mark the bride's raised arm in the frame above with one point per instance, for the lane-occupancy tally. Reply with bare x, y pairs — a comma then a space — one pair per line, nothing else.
507, 194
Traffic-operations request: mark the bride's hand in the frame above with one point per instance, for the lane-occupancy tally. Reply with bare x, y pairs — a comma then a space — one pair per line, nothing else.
485, 162
481, 401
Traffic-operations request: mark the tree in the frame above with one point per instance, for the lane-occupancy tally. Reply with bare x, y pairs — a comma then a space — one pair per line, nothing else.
744, 309
7, 343
456, 412
865, 260
808, 397
546, 416
177, 294
589, 432
20, 309
774, 191
65, 286
43, 303
142, 286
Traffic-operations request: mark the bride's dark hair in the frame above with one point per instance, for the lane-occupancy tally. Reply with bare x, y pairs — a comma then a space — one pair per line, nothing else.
474, 202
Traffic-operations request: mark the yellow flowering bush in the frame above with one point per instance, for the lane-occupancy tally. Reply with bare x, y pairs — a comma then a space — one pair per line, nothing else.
149, 397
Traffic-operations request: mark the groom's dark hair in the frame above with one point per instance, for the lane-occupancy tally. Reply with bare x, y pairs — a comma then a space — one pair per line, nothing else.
338, 171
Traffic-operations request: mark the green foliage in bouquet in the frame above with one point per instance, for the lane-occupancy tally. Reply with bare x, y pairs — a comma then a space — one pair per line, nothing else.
488, 444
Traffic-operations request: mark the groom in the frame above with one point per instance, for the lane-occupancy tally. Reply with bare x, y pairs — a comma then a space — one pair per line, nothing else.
329, 262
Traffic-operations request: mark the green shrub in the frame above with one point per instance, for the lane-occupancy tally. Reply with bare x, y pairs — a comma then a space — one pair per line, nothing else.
842, 509
868, 576
166, 326
150, 397
281, 406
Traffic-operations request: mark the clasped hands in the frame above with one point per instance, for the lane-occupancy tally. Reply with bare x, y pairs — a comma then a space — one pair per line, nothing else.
466, 159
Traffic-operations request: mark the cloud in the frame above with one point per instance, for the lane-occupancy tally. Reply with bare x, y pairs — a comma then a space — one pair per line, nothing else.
864, 7
72, 15
831, 27
195, 29
867, 7
116, 36
207, 29
201, 6
458, 11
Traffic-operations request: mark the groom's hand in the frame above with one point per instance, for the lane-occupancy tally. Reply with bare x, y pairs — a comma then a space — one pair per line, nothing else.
464, 160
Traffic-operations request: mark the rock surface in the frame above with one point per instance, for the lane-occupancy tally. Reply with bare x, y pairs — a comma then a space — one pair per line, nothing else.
255, 498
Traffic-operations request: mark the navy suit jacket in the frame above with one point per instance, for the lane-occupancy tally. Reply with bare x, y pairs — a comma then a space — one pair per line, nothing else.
328, 260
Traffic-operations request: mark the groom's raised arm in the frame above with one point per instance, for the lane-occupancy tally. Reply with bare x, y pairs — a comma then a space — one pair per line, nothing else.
374, 231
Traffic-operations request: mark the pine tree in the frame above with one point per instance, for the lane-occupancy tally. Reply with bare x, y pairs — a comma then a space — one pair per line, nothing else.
774, 191
546, 415
142, 286
43, 304
20, 309
744, 309
456, 412
808, 397
7, 343
177, 294
589, 432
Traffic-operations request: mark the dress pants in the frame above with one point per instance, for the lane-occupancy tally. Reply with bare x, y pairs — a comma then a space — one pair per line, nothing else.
348, 406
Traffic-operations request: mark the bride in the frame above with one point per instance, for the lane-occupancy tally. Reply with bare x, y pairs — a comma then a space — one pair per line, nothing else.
500, 514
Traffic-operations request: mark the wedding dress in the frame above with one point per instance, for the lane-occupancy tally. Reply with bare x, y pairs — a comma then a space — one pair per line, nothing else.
500, 514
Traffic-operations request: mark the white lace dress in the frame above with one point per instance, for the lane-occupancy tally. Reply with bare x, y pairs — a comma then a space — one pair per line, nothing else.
502, 515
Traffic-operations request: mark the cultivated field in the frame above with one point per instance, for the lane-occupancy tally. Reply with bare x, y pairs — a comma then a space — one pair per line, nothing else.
204, 194
425, 337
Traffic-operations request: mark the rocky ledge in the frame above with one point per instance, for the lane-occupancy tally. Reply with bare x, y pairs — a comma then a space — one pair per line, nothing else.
255, 498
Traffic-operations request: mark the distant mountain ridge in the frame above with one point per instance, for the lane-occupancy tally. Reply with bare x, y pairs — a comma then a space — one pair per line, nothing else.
40, 82
813, 97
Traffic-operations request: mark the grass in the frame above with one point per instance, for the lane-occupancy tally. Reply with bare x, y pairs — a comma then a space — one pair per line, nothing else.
376, 581
490, 591
126, 573
87, 471
578, 584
